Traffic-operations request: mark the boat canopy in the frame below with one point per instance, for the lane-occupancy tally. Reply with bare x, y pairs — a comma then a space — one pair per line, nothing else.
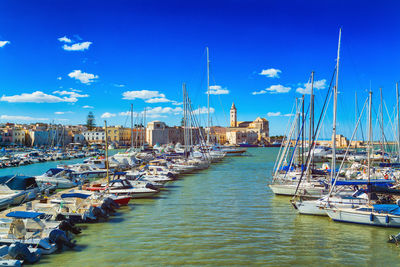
380, 182
17, 182
77, 195
54, 171
387, 208
24, 214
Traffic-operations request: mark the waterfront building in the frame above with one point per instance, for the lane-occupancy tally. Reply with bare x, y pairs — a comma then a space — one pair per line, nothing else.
122, 136
6, 136
156, 133
246, 131
18, 136
218, 135
95, 137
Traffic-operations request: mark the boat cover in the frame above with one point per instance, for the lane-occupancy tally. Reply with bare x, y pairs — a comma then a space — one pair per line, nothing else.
24, 214
18, 182
387, 208
381, 182
77, 195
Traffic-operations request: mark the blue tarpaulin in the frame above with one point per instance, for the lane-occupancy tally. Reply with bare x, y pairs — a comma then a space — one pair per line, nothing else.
380, 182
24, 214
77, 195
387, 208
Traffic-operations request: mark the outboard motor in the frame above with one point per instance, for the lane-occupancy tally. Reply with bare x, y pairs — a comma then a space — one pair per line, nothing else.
112, 203
70, 227
20, 251
99, 213
171, 175
107, 208
151, 186
60, 238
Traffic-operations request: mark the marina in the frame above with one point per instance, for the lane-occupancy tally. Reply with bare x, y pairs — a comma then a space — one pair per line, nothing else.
247, 224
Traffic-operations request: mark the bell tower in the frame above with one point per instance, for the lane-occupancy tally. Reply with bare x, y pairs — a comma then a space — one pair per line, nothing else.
233, 113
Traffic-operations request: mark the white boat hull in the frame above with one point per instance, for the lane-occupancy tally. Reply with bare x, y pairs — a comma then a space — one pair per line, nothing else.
361, 217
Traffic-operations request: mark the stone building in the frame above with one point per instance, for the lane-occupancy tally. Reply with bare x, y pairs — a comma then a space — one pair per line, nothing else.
246, 131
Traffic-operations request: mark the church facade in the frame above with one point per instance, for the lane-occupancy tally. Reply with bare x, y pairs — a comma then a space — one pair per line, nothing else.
251, 132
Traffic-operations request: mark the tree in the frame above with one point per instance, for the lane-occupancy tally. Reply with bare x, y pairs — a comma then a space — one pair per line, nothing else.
90, 121
183, 122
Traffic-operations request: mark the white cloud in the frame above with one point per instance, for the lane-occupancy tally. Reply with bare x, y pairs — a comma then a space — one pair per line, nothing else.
59, 78
70, 94
156, 112
274, 114
306, 89
87, 106
158, 100
143, 94
38, 97
273, 89
176, 103
218, 90
64, 39
278, 114
83, 77
203, 110
77, 47
62, 112
271, 73
75, 90
21, 118
119, 85
108, 115
3, 43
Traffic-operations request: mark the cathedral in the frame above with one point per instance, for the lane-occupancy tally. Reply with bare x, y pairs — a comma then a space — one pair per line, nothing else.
246, 131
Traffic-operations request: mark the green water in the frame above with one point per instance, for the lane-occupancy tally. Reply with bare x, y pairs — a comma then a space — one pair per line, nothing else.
225, 216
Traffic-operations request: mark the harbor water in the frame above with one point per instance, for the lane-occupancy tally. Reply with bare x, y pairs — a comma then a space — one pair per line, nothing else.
225, 215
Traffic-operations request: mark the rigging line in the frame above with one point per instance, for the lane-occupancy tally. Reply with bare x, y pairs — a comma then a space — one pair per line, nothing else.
297, 142
283, 139
391, 124
347, 150
361, 127
316, 129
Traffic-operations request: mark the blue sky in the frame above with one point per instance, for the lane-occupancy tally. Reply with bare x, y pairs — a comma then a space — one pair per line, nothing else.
117, 53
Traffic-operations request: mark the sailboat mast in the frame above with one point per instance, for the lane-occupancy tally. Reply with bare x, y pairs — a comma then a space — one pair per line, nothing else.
398, 121
131, 125
208, 96
355, 112
369, 144
303, 131
333, 169
105, 128
382, 133
184, 118
310, 137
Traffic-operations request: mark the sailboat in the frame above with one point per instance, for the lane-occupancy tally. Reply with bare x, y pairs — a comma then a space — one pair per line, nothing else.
386, 215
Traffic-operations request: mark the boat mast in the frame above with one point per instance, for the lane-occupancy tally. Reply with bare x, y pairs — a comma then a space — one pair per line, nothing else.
356, 114
208, 96
131, 125
105, 128
184, 118
369, 145
335, 88
382, 133
310, 137
303, 131
398, 122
